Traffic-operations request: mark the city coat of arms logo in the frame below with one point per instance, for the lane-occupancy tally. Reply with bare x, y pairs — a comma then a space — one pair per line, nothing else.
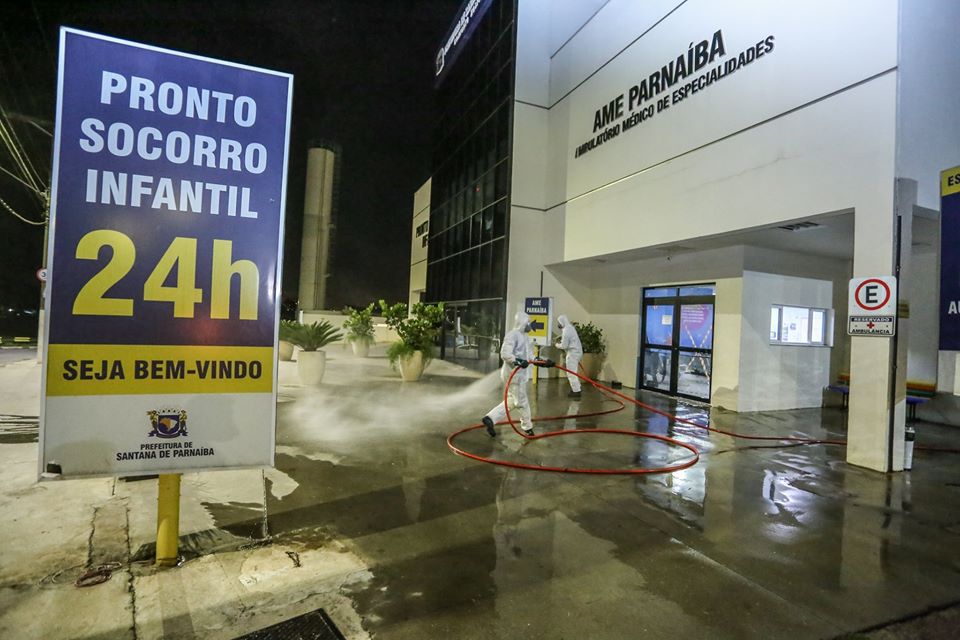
168, 423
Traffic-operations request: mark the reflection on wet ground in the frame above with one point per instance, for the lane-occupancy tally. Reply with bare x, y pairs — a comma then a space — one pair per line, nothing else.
759, 541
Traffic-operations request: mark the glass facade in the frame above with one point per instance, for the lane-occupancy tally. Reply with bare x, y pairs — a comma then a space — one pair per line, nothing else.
470, 196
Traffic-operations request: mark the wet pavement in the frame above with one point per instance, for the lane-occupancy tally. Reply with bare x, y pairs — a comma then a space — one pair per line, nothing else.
406, 540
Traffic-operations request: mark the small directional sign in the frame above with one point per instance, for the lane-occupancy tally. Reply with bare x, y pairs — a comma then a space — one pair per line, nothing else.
872, 307
540, 311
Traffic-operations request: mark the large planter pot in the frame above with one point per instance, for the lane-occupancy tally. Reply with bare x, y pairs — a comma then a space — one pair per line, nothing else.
310, 366
592, 363
360, 348
285, 350
411, 366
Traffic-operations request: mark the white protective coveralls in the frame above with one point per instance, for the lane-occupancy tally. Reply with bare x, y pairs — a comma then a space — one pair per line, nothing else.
516, 345
570, 343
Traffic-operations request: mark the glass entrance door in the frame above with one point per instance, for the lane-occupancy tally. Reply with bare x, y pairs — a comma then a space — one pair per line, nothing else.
676, 352
470, 335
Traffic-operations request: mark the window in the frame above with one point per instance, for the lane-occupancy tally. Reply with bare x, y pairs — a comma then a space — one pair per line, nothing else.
800, 326
699, 290
660, 292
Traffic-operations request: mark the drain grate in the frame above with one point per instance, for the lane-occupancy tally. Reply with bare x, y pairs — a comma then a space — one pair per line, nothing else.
315, 625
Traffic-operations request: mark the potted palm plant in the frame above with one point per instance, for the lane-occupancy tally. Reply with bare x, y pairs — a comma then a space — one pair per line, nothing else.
359, 328
285, 347
594, 348
312, 361
418, 332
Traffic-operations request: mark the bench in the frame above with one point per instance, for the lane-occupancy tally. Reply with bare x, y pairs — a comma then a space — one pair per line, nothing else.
913, 401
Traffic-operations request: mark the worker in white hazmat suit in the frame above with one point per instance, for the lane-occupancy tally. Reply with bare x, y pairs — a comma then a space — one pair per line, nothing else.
516, 351
569, 342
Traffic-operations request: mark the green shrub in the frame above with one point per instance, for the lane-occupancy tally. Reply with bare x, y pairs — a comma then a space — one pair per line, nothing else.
359, 324
286, 329
401, 349
311, 337
418, 330
591, 337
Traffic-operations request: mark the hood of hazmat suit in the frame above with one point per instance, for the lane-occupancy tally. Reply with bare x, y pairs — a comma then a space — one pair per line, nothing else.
521, 322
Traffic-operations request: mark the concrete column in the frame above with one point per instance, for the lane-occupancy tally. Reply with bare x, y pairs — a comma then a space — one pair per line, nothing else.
878, 366
317, 219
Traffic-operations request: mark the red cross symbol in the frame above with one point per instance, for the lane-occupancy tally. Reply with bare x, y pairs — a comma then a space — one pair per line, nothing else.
870, 325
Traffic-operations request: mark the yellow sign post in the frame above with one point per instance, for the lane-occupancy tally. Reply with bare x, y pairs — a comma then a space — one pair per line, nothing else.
168, 519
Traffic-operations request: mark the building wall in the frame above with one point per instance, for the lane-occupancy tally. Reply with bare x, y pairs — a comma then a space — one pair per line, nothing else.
776, 376
805, 130
623, 331
749, 374
836, 271
924, 304
608, 28
727, 320
758, 178
418, 242
611, 292
928, 141
850, 110
928, 129
532, 67
741, 153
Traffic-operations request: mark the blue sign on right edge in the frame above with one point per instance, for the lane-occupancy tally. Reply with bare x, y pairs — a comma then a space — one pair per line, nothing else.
950, 260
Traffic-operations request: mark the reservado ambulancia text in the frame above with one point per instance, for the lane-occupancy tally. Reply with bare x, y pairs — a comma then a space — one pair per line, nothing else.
123, 140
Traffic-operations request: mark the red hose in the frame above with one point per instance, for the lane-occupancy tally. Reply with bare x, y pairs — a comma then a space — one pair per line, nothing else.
614, 395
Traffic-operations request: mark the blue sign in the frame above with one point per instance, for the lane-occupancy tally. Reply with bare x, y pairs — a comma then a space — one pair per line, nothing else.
169, 184
540, 311
950, 260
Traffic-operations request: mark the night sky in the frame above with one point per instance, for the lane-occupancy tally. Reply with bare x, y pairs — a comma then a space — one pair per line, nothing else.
363, 79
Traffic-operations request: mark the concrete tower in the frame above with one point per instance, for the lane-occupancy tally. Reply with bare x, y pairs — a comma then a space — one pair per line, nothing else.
318, 205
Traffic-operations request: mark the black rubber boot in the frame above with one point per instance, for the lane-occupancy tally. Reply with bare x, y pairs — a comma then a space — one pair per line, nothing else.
488, 423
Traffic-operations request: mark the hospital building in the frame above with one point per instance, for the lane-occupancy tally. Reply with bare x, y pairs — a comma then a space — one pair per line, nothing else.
701, 180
